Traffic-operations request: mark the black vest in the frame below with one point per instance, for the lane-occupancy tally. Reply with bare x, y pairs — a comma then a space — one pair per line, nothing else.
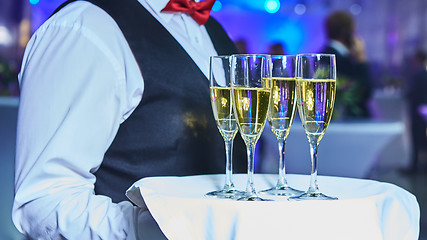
172, 131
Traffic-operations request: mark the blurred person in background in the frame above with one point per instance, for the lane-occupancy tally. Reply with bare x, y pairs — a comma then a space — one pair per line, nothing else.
242, 46
276, 49
111, 92
354, 83
416, 94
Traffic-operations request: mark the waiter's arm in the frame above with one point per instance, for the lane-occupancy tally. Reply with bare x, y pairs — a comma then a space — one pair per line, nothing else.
74, 95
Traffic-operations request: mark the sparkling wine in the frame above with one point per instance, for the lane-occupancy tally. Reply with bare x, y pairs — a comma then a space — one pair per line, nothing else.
282, 106
222, 107
251, 107
315, 99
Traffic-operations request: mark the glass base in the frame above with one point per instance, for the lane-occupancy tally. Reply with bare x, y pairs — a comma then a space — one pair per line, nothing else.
253, 198
226, 193
312, 196
285, 191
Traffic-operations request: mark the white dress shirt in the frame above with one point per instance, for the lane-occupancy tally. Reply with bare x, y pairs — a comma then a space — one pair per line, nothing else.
79, 81
339, 47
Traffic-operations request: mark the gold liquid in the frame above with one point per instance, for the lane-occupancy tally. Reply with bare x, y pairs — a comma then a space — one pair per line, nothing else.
251, 107
315, 98
282, 106
222, 107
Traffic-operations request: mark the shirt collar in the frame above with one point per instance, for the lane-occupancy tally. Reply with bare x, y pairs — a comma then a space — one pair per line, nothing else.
341, 48
157, 6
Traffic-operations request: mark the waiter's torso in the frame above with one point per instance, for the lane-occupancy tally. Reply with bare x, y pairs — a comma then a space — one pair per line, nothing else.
172, 131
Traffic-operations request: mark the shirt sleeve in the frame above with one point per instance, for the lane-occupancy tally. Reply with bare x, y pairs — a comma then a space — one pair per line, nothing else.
74, 94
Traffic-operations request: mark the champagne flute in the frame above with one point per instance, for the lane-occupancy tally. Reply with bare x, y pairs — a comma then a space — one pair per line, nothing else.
251, 89
316, 87
281, 114
222, 107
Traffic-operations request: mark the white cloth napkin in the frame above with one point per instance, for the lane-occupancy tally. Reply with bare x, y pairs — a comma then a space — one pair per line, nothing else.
366, 209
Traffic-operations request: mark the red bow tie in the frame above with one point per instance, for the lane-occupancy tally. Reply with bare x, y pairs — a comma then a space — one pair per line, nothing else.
199, 11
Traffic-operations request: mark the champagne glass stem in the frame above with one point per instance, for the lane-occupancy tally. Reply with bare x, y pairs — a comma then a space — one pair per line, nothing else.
228, 165
250, 189
282, 182
314, 188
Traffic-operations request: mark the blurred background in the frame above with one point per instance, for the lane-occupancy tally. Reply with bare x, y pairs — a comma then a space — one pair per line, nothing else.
381, 146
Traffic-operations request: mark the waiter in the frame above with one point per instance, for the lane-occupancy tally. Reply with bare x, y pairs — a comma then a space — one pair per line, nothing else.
113, 91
